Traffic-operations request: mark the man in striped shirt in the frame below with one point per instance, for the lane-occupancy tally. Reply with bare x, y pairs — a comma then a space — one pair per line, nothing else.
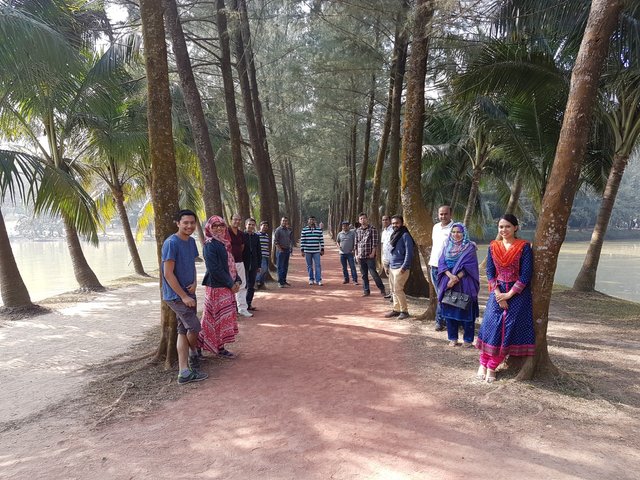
265, 249
312, 247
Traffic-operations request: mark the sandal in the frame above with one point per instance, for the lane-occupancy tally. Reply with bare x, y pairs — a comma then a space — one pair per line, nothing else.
491, 375
482, 373
224, 353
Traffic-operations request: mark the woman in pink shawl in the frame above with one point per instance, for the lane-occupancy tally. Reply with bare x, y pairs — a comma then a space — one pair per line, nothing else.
220, 317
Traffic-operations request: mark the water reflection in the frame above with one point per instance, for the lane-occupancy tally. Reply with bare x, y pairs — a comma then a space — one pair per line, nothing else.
46, 266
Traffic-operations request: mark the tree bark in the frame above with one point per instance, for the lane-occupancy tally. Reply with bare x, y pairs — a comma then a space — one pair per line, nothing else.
257, 108
514, 197
367, 141
164, 178
417, 216
417, 285
200, 130
118, 196
473, 193
12, 288
393, 194
563, 180
242, 193
586, 279
353, 173
86, 278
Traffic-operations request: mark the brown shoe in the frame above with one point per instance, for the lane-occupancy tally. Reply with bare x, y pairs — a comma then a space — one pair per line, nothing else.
391, 314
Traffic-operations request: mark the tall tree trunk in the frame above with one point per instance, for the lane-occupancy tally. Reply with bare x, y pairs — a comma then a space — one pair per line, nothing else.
563, 180
393, 194
514, 197
353, 173
200, 130
260, 160
374, 213
586, 279
473, 193
257, 108
417, 285
164, 178
12, 288
118, 196
86, 278
417, 216
242, 193
367, 141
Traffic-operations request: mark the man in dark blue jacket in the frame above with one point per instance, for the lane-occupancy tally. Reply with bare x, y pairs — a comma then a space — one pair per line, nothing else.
252, 259
400, 258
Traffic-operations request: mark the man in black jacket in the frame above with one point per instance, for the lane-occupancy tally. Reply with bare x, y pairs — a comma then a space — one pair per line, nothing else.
252, 259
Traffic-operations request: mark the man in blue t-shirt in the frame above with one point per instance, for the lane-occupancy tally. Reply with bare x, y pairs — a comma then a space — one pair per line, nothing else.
179, 252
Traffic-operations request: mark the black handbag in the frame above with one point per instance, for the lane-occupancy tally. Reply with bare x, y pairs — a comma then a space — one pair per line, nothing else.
456, 299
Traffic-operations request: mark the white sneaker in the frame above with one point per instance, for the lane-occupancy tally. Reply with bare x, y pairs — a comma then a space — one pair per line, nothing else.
245, 313
311, 282
320, 283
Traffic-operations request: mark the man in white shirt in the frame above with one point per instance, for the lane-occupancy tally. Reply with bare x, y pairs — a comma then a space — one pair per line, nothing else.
385, 236
439, 236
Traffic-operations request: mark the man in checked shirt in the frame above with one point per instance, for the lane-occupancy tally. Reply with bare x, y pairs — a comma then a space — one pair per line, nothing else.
366, 245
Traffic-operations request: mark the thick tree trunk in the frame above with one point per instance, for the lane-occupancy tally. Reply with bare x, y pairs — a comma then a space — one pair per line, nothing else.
417, 285
417, 216
586, 279
367, 141
118, 196
164, 178
86, 278
242, 193
353, 173
563, 180
210, 181
12, 288
393, 193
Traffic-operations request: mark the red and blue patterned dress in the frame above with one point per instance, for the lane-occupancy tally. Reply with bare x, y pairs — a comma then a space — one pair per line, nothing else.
510, 331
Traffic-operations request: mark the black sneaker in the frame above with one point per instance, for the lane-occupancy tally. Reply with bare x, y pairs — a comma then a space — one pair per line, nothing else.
194, 376
366, 294
403, 315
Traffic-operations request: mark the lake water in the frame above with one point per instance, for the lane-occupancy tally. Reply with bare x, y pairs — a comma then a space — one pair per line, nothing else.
47, 271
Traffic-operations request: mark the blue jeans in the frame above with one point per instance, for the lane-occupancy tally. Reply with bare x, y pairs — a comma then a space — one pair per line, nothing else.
251, 285
282, 261
314, 259
454, 325
440, 322
264, 268
369, 265
348, 257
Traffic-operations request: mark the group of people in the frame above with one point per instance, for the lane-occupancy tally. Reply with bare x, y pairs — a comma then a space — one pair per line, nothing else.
237, 261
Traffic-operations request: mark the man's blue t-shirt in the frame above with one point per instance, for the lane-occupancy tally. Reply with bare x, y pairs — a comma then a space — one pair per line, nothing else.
183, 253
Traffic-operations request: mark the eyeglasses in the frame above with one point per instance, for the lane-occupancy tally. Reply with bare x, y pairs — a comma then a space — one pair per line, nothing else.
218, 225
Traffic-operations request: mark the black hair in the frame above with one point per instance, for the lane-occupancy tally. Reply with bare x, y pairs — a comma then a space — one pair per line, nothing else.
264, 222
250, 220
362, 214
510, 218
184, 213
398, 217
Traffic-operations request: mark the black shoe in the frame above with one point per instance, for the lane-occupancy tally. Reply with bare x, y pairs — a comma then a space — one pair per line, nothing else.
194, 362
383, 293
388, 296
287, 284
366, 294
403, 315
440, 328
391, 314
345, 282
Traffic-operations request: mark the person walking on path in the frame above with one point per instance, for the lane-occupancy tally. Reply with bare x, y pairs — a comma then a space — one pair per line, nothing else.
385, 236
237, 249
346, 241
283, 241
366, 245
439, 237
178, 268
219, 317
252, 259
507, 326
265, 251
400, 257
458, 271
312, 248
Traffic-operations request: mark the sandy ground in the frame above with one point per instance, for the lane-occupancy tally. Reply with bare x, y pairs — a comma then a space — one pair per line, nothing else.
323, 387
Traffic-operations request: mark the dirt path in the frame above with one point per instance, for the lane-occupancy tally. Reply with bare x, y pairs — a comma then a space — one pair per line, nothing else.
325, 387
